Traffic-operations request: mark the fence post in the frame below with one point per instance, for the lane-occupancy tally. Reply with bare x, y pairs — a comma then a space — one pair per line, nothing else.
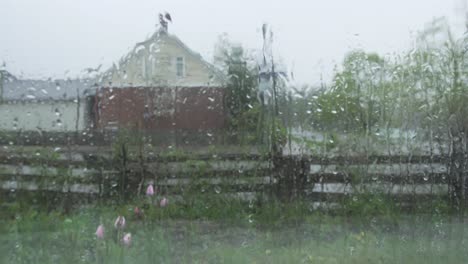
292, 173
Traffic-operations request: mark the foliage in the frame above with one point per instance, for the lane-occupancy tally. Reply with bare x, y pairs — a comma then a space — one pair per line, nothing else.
241, 77
351, 103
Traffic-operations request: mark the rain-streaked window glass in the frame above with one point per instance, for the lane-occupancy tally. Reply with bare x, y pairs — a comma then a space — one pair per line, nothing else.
234, 132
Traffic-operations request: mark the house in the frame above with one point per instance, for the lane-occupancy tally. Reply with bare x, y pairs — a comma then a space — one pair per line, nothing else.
43, 105
161, 85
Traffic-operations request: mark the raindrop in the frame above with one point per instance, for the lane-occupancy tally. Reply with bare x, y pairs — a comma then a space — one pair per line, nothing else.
44, 91
57, 86
57, 112
111, 97
250, 219
319, 110
426, 177
333, 112
309, 112
217, 189
211, 99
59, 122
30, 96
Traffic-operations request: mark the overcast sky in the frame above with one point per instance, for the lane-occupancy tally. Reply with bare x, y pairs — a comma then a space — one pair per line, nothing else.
59, 38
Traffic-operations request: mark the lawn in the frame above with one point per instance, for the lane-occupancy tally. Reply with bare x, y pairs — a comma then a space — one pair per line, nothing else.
167, 235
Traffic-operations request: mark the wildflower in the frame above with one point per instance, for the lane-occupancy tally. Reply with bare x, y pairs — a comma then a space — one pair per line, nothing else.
119, 222
150, 190
127, 239
100, 232
163, 202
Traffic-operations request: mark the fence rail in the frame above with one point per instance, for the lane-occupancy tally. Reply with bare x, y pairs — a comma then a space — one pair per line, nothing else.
100, 172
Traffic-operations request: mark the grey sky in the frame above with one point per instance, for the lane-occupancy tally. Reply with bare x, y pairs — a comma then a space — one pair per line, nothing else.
59, 38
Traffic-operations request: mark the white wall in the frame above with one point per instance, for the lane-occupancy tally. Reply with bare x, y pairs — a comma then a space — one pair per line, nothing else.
48, 116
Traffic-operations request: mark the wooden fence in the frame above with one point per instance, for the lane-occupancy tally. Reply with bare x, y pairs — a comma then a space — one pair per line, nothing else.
98, 172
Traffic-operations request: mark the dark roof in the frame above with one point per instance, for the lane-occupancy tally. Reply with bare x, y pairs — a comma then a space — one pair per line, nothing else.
24, 90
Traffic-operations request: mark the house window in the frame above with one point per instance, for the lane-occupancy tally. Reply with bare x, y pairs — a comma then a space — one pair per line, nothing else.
180, 67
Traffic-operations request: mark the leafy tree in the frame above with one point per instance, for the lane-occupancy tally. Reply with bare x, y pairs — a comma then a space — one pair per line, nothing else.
242, 81
351, 103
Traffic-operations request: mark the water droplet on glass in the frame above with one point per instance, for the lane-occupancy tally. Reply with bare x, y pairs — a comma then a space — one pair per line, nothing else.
217, 189
250, 219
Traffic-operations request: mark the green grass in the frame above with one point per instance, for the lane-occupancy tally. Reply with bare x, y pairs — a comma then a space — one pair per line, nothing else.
223, 232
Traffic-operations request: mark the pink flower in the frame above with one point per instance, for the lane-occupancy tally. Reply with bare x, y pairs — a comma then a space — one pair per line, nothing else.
100, 232
150, 190
127, 239
163, 202
119, 222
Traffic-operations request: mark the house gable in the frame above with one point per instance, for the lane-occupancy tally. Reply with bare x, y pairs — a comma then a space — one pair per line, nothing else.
162, 60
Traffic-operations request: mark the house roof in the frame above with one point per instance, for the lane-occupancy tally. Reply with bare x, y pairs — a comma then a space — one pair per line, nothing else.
29, 90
